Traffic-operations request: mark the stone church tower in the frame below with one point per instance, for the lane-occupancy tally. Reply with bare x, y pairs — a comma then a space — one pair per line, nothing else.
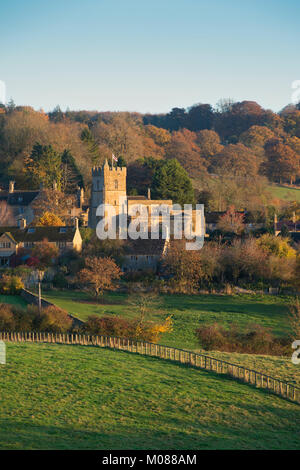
108, 185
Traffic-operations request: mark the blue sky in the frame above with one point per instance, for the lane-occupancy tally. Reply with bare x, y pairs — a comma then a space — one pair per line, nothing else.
148, 56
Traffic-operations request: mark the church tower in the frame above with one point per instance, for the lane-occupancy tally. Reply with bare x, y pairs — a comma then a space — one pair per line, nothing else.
108, 185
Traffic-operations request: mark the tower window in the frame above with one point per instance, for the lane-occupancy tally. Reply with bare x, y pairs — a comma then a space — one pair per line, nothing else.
116, 184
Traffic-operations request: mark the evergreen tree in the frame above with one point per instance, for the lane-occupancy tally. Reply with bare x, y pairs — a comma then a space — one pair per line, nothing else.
171, 181
93, 150
71, 176
121, 161
44, 166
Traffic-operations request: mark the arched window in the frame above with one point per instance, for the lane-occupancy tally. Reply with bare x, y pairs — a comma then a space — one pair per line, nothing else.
116, 184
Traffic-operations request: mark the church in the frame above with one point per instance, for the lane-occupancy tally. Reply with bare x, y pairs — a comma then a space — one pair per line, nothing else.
108, 186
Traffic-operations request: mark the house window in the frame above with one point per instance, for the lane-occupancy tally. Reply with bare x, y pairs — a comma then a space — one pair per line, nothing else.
134, 258
5, 245
62, 229
28, 244
61, 244
31, 230
116, 184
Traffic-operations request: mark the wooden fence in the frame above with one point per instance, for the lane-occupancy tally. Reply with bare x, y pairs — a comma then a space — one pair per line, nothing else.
201, 361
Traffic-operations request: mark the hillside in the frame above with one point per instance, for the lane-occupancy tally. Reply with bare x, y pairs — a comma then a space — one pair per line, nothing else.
284, 193
73, 397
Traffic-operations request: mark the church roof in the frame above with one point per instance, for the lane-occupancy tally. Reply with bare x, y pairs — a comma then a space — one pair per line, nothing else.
136, 198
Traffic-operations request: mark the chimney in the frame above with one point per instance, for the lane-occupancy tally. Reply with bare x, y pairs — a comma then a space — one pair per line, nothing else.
11, 186
22, 223
76, 223
149, 193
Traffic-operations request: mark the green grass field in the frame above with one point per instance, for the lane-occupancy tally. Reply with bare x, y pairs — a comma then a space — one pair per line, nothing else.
13, 300
188, 311
284, 193
76, 397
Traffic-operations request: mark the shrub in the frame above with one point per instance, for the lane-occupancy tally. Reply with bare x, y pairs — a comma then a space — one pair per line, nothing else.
133, 329
10, 284
60, 280
25, 320
152, 332
110, 326
53, 319
255, 339
7, 321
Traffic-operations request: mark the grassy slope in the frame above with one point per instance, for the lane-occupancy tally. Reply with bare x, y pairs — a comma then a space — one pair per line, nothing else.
284, 193
55, 396
190, 311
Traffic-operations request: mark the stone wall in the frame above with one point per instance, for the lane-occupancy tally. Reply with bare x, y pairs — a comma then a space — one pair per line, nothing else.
33, 299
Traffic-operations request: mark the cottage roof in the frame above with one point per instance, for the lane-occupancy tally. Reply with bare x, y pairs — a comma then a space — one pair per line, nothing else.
18, 198
36, 234
144, 247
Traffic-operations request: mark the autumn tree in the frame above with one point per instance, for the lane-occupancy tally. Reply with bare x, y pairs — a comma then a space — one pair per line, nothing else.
209, 143
104, 248
236, 160
160, 136
121, 135
278, 246
99, 274
292, 122
183, 266
53, 201
237, 118
282, 163
232, 221
46, 252
183, 146
49, 219
200, 116
255, 138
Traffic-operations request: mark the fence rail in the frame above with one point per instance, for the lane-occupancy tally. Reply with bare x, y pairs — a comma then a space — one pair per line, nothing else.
201, 361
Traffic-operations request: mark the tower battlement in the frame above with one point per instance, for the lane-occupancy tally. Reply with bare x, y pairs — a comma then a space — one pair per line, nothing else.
98, 171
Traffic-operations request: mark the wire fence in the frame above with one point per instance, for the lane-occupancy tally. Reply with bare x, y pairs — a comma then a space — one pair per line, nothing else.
201, 361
